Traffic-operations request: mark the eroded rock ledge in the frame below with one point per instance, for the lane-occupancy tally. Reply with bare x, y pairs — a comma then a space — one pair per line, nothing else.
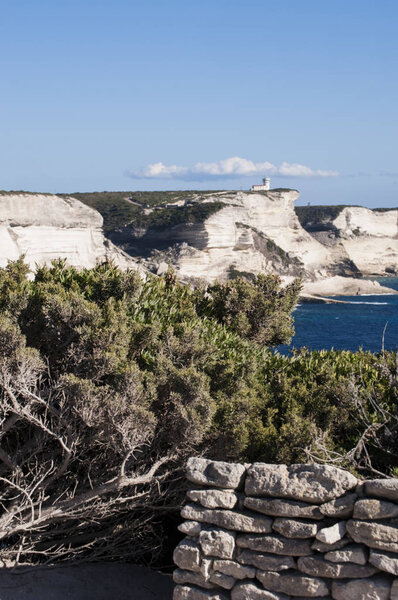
272, 532
44, 227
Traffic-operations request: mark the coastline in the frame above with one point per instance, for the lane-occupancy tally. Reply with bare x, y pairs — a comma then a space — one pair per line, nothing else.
347, 323
321, 289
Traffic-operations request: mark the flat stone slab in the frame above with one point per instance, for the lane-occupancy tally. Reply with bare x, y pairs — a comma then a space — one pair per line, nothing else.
385, 561
191, 528
316, 484
296, 584
266, 562
323, 547
341, 508
382, 488
318, 567
284, 508
225, 581
369, 508
214, 498
356, 554
215, 473
251, 591
274, 544
182, 577
234, 569
293, 528
228, 519
374, 535
184, 592
362, 589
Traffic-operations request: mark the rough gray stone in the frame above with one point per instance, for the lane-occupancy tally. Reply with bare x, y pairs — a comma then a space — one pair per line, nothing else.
274, 544
187, 555
385, 561
340, 508
351, 554
293, 528
333, 534
234, 569
266, 562
185, 592
215, 473
382, 488
284, 508
310, 483
374, 535
182, 577
318, 567
206, 565
228, 519
214, 498
376, 588
375, 509
251, 591
217, 542
224, 581
394, 590
322, 547
191, 528
290, 584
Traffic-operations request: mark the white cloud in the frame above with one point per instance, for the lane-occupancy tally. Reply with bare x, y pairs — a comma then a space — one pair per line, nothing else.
227, 168
297, 170
160, 170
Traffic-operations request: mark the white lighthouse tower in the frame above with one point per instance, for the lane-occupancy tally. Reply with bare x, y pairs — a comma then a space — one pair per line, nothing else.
264, 187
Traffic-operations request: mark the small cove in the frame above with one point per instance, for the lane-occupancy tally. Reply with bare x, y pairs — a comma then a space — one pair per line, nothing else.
358, 324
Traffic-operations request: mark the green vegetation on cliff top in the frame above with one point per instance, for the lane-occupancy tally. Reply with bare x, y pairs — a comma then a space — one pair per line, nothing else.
148, 209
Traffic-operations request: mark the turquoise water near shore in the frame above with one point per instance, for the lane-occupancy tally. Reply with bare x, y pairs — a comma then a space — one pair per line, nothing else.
359, 324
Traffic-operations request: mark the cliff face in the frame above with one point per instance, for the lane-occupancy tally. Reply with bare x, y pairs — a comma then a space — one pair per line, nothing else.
253, 232
44, 227
260, 232
236, 232
370, 238
367, 238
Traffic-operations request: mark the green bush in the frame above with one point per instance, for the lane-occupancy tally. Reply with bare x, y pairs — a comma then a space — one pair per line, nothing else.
106, 376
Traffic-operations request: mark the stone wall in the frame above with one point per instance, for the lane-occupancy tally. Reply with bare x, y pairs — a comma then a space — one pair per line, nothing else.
272, 532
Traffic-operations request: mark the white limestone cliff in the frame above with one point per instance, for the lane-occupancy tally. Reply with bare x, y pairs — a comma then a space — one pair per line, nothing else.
252, 233
370, 238
235, 238
43, 227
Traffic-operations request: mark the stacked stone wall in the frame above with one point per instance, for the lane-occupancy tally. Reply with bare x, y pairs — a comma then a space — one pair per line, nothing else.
272, 532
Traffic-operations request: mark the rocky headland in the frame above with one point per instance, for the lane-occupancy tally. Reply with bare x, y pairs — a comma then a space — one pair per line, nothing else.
209, 236
251, 233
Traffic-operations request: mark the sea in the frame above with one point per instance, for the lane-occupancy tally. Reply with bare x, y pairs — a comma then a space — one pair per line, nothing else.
367, 322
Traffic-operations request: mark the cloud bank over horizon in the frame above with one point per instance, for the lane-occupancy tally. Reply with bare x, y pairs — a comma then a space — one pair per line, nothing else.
227, 168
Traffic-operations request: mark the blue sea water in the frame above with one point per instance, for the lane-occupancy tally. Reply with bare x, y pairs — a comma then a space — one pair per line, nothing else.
359, 324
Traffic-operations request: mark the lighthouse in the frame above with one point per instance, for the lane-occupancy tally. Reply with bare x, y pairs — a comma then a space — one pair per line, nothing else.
264, 187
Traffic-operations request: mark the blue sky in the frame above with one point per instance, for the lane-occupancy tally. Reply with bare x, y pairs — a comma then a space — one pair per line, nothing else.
94, 94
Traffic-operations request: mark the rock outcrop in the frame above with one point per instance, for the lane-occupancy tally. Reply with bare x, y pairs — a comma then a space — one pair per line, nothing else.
304, 531
370, 238
240, 233
253, 232
260, 232
43, 227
